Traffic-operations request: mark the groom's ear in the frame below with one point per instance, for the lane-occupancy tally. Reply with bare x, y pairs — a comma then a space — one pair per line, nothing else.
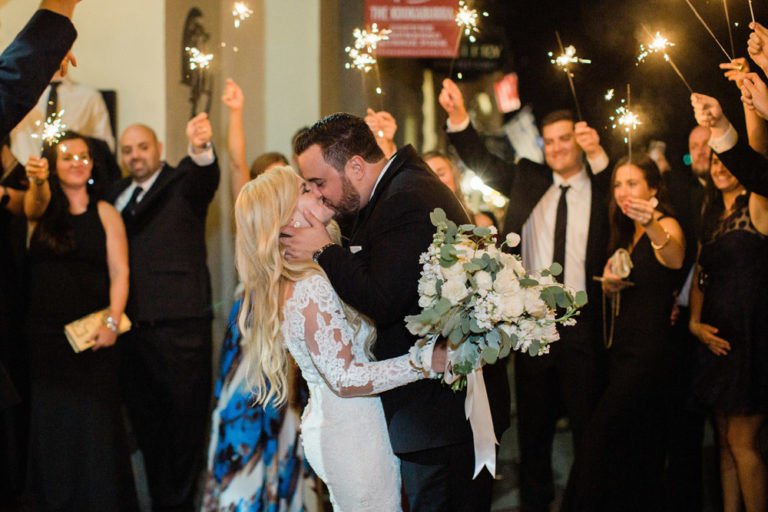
355, 168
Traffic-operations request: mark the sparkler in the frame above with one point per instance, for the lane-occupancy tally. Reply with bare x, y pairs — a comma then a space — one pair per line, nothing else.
466, 20
564, 60
363, 53
241, 12
609, 95
626, 120
751, 11
730, 31
52, 130
708, 29
659, 44
198, 59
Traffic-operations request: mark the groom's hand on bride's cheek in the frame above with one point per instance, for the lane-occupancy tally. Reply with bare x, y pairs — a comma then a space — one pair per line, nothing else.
301, 243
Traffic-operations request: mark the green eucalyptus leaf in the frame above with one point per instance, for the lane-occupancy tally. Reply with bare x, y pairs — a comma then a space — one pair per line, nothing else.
548, 297
442, 306
562, 298
556, 269
581, 298
474, 327
534, 348
505, 350
481, 231
527, 282
456, 336
490, 355
465, 324
437, 217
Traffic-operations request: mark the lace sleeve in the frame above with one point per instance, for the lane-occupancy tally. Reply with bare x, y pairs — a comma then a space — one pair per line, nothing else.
329, 340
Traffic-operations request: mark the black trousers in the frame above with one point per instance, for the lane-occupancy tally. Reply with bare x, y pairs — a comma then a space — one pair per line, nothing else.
440, 480
166, 374
567, 381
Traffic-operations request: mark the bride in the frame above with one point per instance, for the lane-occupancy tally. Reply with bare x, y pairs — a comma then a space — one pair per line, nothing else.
293, 305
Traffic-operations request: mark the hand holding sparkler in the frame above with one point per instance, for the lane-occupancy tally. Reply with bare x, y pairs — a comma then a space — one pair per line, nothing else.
233, 96
199, 132
737, 69
638, 209
588, 139
383, 126
754, 94
37, 170
757, 46
63, 7
452, 102
709, 113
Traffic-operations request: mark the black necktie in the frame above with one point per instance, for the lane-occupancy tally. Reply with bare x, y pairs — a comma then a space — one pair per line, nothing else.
53, 100
130, 207
561, 220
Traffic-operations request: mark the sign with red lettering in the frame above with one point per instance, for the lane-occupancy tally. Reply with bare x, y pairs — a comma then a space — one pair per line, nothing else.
420, 28
507, 95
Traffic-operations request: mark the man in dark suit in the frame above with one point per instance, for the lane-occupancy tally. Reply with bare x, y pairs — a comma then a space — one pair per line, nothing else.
167, 354
560, 211
378, 275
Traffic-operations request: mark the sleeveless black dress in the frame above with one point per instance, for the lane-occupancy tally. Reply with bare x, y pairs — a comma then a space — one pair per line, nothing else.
735, 285
78, 459
621, 457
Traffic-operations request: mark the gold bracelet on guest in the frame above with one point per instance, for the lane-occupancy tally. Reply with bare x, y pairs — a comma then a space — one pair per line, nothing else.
663, 244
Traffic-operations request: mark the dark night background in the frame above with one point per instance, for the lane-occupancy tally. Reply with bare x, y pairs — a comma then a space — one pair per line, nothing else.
609, 33
606, 31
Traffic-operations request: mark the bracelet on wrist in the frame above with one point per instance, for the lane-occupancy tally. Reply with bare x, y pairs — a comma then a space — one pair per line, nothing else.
316, 255
663, 244
110, 324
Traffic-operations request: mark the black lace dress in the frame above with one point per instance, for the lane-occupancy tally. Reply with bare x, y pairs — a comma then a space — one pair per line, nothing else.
735, 285
78, 459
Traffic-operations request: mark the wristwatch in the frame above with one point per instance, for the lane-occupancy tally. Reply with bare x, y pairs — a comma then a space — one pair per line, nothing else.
317, 253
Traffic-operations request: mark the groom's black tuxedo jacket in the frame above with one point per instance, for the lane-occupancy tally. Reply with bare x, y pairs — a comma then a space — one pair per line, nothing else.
381, 279
166, 238
525, 183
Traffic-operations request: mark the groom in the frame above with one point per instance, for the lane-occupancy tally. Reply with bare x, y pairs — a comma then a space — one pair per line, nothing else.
378, 274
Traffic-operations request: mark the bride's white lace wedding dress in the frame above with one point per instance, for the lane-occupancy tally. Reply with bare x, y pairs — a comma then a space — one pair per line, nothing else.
343, 427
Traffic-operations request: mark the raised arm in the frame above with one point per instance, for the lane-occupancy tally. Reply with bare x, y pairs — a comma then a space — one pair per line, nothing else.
201, 164
383, 126
234, 100
29, 62
38, 196
329, 340
494, 171
757, 132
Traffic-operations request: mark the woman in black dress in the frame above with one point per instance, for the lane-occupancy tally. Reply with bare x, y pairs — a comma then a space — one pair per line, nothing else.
728, 316
621, 459
78, 264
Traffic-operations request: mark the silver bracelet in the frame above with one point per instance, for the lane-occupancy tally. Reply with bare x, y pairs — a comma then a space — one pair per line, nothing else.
110, 324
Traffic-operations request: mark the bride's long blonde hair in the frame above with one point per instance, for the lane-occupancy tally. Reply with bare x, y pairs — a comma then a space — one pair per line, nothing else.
264, 206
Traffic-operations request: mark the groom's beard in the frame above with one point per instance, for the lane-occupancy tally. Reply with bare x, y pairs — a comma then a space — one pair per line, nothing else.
349, 204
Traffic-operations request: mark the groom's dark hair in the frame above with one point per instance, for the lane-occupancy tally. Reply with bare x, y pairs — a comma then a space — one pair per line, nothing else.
340, 137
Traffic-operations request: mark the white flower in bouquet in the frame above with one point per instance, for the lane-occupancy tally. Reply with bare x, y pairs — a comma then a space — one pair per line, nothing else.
455, 289
428, 287
511, 305
533, 303
484, 282
455, 271
506, 281
513, 239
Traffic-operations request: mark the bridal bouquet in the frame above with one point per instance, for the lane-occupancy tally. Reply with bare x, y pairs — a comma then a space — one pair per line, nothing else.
483, 301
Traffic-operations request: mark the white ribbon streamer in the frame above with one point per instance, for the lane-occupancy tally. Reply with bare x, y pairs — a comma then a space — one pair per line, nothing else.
478, 412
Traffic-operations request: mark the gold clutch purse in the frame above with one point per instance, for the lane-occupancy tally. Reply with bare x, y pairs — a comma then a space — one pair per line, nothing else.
79, 333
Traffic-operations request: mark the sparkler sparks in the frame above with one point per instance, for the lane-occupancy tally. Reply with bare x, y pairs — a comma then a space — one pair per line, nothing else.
361, 60
369, 40
198, 59
659, 44
609, 95
241, 12
566, 58
626, 120
466, 19
52, 130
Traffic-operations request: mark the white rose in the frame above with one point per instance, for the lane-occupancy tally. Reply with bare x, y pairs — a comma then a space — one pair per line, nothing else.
513, 239
426, 302
417, 328
454, 290
511, 305
453, 272
533, 303
484, 281
506, 281
428, 288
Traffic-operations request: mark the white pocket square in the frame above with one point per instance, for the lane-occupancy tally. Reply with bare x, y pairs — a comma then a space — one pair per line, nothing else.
355, 248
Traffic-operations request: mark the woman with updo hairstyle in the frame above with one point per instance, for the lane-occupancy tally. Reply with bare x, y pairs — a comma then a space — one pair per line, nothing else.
621, 460
77, 265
